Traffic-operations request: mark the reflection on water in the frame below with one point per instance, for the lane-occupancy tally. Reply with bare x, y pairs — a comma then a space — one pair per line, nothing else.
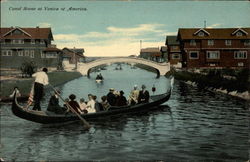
192, 125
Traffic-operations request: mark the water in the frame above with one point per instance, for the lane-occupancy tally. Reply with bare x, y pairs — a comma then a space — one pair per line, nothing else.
194, 125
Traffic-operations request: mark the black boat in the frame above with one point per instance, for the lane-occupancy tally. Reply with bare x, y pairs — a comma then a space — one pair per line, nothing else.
45, 117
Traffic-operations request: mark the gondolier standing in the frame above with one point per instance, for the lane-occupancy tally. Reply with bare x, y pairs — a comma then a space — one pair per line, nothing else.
41, 79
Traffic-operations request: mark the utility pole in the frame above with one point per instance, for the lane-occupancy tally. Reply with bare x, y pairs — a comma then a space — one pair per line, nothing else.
75, 58
205, 24
140, 46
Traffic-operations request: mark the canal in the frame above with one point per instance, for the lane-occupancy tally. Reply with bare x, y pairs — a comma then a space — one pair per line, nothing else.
194, 125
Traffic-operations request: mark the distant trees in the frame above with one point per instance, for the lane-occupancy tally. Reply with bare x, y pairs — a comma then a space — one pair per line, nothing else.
28, 68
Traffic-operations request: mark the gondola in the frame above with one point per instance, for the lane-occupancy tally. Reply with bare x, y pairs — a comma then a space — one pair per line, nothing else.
45, 117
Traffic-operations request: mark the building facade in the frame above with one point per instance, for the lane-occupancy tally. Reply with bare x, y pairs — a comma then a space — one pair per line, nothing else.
153, 54
215, 47
19, 45
173, 49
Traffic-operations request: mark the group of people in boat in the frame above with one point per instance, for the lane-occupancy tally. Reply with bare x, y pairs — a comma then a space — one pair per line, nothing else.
113, 98
99, 77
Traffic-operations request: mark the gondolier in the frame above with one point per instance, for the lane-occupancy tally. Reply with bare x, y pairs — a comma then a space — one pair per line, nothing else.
41, 79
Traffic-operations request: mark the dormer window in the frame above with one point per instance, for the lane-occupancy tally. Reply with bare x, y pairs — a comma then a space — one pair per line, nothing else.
239, 34
201, 34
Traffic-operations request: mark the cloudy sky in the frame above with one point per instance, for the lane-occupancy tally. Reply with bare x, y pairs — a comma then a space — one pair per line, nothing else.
115, 28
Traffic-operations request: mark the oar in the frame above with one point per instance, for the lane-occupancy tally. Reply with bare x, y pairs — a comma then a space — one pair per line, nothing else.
86, 124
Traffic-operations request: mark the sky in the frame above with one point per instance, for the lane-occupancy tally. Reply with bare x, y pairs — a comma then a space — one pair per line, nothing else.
115, 28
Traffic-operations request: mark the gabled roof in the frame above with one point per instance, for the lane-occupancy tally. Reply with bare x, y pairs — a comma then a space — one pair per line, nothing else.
76, 50
201, 30
172, 40
239, 29
69, 52
29, 33
215, 33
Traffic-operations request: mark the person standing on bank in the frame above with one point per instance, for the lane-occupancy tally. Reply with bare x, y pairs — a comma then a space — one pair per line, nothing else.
41, 79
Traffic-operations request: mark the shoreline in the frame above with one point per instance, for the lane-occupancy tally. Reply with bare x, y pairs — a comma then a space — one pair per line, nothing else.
24, 84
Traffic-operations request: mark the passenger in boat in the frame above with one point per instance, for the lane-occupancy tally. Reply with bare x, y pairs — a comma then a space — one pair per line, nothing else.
121, 101
41, 79
15, 90
54, 104
74, 104
98, 106
143, 95
99, 76
133, 97
83, 106
105, 103
111, 97
91, 104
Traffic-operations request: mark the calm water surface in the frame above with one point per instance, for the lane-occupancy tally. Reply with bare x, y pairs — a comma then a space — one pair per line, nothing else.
194, 125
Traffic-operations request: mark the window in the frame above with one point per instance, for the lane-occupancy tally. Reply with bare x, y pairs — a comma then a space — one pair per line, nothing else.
239, 33
240, 54
192, 42
33, 41
32, 53
175, 56
26, 53
42, 54
6, 53
247, 43
210, 42
213, 54
201, 34
20, 53
42, 41
240, 64
51, 55
175, 47
17, 41
228, 42
193, 54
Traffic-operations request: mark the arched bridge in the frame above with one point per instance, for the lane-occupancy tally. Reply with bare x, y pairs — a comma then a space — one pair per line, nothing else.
161, 68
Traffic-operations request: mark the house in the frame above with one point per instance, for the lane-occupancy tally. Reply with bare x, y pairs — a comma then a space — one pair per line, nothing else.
173, 49
215, 47
153, 54
164, 53
73, 54
27, 44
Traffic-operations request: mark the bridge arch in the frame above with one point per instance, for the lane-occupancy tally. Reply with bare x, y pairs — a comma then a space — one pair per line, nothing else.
161, 68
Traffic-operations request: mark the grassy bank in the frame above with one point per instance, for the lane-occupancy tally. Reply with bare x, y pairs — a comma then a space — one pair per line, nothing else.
55, 78
215, 79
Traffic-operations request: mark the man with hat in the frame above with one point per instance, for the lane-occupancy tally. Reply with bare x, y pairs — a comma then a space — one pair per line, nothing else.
111, 97
133, 97
143, 95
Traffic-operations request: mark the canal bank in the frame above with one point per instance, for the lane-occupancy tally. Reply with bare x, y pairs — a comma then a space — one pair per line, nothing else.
56, 78
233, 83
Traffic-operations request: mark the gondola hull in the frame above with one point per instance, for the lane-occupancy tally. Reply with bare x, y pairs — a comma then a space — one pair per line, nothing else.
51, 118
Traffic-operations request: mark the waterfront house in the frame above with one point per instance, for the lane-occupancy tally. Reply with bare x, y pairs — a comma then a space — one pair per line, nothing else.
164, 53
174, 51
215, 47
73, 54
28, 44
153, 54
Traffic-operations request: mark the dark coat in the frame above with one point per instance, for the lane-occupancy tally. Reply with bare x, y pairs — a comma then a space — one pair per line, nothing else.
111, 99
121, 101
54, 105
143, 96
75, 106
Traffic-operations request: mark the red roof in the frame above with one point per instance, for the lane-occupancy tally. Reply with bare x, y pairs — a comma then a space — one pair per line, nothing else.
213, 33
28, 33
